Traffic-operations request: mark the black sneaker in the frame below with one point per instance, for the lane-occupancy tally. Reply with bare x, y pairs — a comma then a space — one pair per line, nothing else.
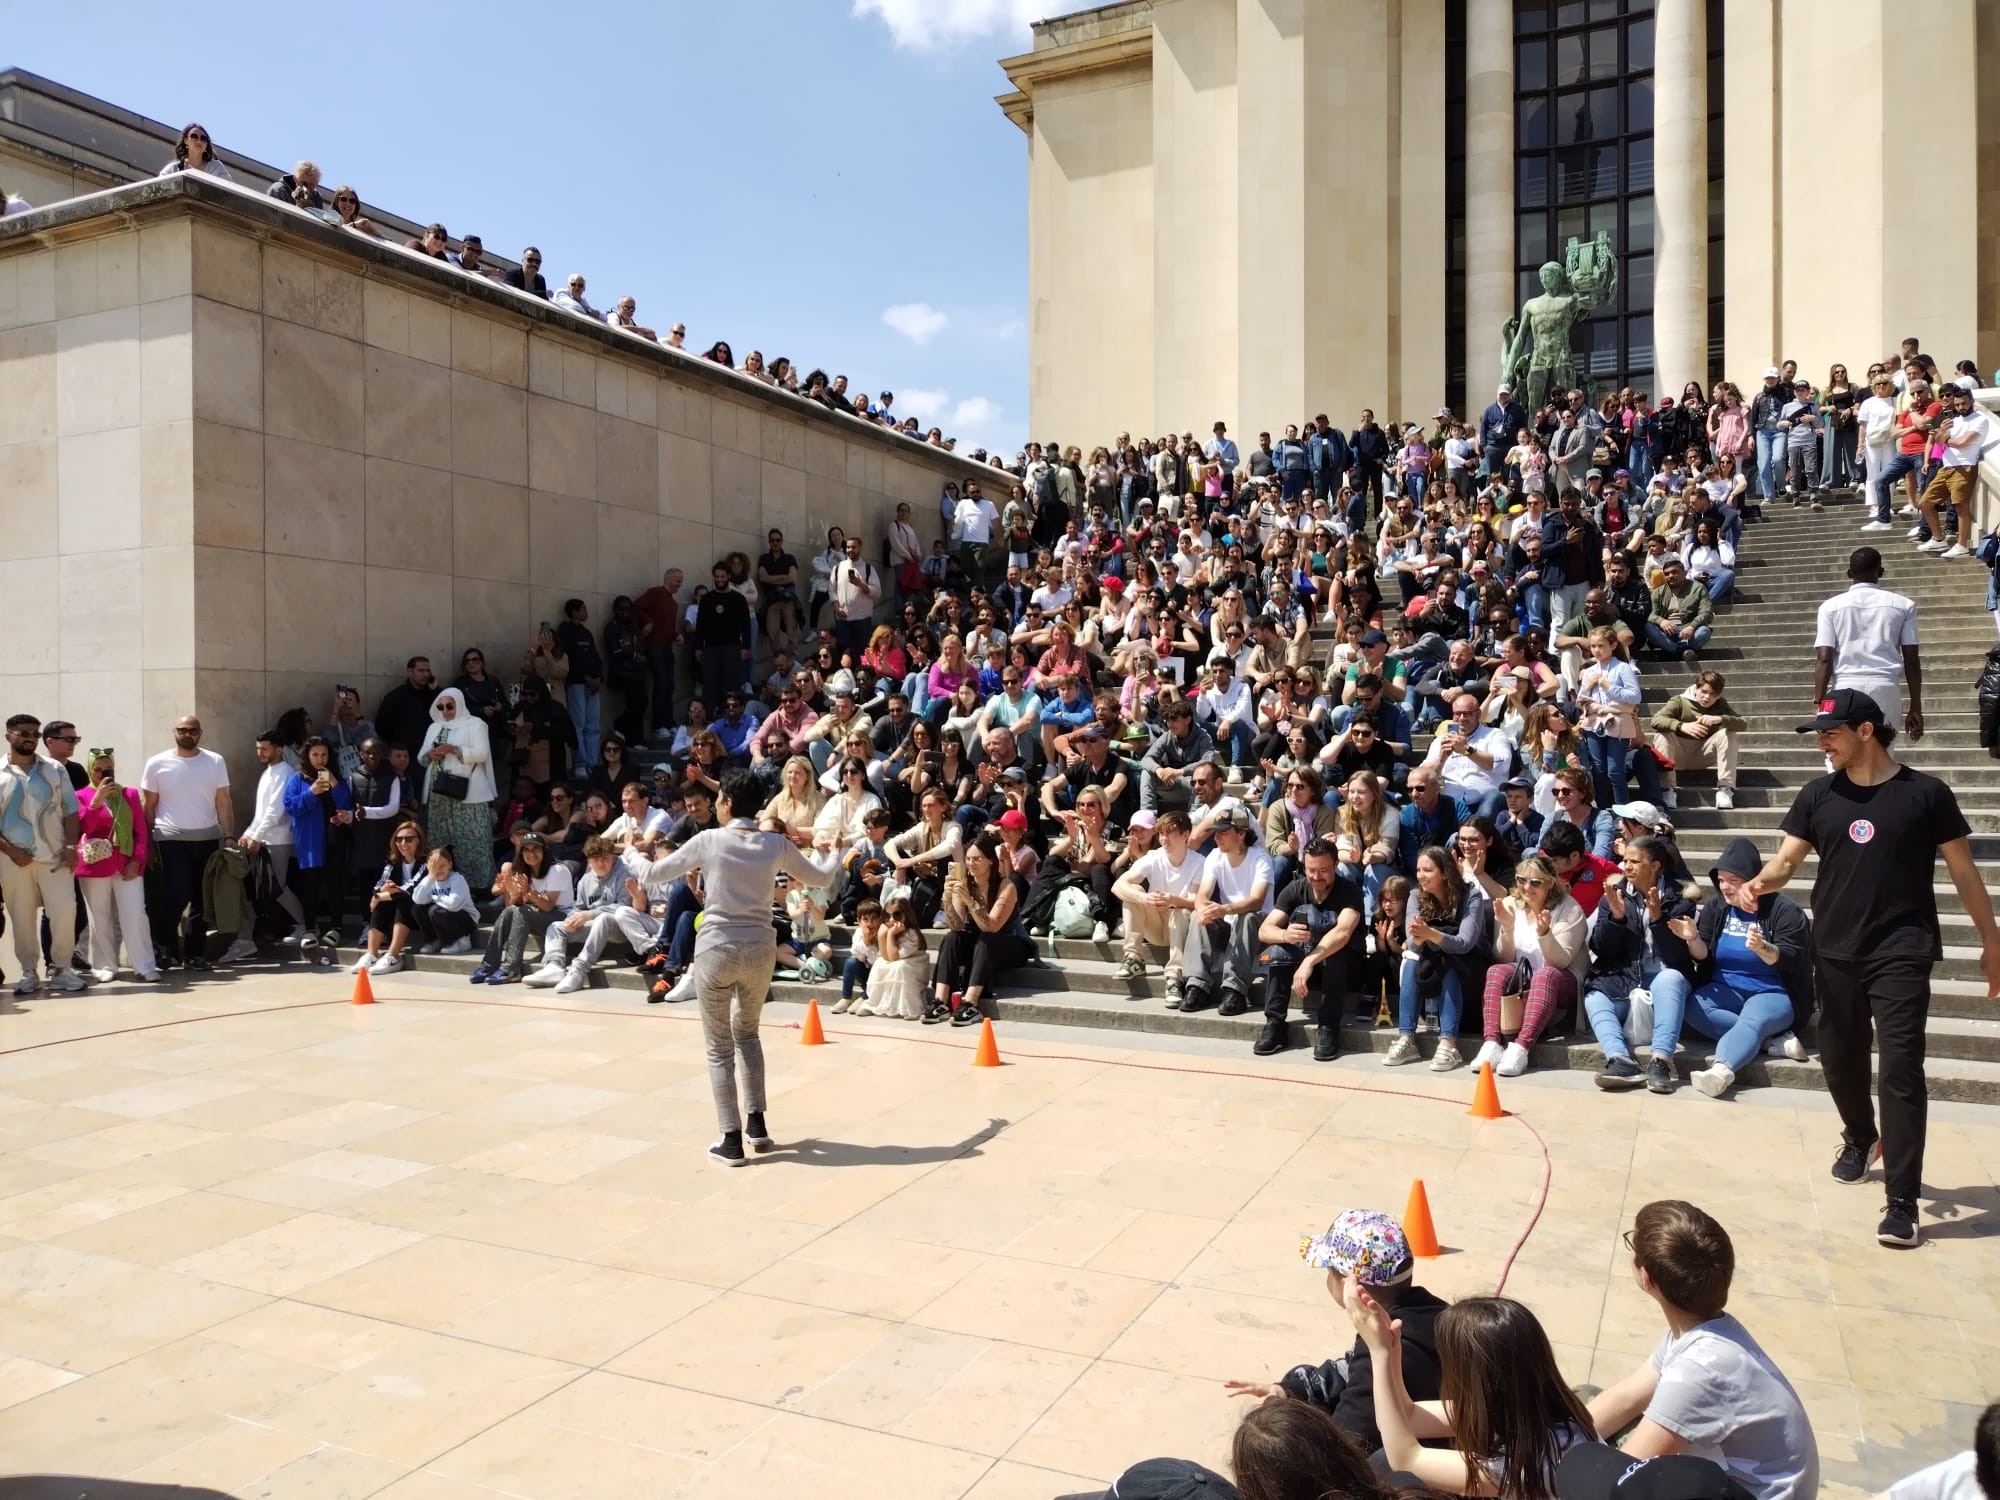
1175, 994
1271, 1039
1326, 1043
935, 1010
755, 1136
1898, 1228
200, 965
1193, 998
967, 1014
1660, 1074
728, 1150
1851, 1162
1233, 1004
1618, 1073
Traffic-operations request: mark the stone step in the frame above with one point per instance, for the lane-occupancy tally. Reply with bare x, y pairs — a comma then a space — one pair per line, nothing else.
1762, 821
1793, 765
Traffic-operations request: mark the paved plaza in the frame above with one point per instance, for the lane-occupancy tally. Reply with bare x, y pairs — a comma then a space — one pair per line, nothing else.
466, 1243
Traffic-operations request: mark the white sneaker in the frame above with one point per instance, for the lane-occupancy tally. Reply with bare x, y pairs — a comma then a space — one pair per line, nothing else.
1492, 1052
367, 962
683, 988
1402, 1050
1786, 1044
1725, 798
388, 963
240, 952
104, 976
1877, 526
1933, 545
1513, 1062
70, 982
1713, 1080
573, 979
1446, 1057
1100, 933
463, 945
1906, 509
1915, 531
293, 938
1670, 799
1956, 549
545, 976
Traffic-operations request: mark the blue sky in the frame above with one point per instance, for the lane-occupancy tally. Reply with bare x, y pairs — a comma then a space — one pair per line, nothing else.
823, 179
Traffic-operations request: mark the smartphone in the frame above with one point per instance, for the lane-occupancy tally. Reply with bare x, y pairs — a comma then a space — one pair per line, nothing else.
547, 628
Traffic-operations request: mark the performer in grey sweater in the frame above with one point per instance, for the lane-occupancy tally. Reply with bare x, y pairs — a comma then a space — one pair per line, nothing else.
737, 947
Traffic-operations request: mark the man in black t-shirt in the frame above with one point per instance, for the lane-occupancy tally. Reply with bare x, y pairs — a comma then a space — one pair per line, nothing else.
1878, 828
1312, 924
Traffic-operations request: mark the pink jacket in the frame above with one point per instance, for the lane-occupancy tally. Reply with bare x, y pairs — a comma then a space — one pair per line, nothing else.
96, 821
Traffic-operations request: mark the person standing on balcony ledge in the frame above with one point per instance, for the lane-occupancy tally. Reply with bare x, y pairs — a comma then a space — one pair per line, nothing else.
1878, 827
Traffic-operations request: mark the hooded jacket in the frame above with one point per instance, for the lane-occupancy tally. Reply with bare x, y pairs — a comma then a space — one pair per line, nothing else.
466, 734
1351, 1396
1784, 922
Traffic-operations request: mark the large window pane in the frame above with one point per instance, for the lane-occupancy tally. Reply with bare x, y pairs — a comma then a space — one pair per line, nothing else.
1639, 104
1639, 340
1589, 115
1573, 174
1531, 125
1639, 165
1635, 277
1571, 12
1572, 224
1603, 10
1571, 66
1604, 52
1531, 65
1531, 239
1604, 220
1603, 171
1531, 15
1638, 225
1638, 46
1532, 181
1601, 340
1527, 284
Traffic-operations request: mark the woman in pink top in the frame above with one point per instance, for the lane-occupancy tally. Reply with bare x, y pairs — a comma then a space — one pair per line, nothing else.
947, 672
111, 866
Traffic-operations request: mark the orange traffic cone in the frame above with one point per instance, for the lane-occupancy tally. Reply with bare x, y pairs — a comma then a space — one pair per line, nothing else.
810, 1034
988, 1055
364, 994
1486, 1097
1417, 1226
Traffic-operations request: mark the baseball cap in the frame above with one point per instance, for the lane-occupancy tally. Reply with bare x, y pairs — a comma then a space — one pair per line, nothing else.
1374, 638
1598, 1471
1774, 373
1639, 812
1235, 817
1847, 708
1013, 773
1112, 584
1594, 474
1362, 1243
1164, 1479
1517, 784
1144, 818
1014, 818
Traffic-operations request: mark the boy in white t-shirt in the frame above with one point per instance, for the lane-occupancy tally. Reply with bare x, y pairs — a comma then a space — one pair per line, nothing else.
1158, 890
1971, 1475
1220, 954
1708, 1389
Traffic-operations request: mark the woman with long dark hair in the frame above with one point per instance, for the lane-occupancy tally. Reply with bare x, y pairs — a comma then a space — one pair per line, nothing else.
981, 907
320, 807
536, 892
391, 913
194, 152
1286, 1449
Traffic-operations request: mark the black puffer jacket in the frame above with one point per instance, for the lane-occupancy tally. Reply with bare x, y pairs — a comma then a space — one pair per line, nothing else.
1618, 946
1989, 702
1351, 1397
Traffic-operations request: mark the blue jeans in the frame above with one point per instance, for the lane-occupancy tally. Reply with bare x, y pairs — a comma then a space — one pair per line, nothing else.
1451, 1000
1739, 1024
1240, 737
1889, 475
1720, 583
1770, 461
1606, 1013
1646, 771
1604, 757
1535, 601
583, 713
853, 976
1369, 878
1659, 640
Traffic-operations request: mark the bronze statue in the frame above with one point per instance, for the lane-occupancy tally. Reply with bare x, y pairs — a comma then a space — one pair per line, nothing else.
1535, 353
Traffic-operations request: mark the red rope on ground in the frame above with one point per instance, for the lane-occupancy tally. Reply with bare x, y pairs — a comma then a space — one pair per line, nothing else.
1506, 1266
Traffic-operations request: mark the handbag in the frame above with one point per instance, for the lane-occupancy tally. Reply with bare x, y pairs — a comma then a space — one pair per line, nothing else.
453, 784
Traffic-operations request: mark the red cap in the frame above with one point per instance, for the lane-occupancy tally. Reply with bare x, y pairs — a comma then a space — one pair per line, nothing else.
1015, 819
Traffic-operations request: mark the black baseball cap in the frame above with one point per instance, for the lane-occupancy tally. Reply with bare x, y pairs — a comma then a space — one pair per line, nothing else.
1598, 1471
1164, 1479
1847, 708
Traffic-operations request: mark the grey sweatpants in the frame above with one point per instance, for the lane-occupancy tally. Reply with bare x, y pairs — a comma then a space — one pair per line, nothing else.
1223, 955
628, 923
731, 981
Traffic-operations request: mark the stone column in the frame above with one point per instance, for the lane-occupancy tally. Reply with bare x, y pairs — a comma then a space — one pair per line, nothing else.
1489, 191
1680, 194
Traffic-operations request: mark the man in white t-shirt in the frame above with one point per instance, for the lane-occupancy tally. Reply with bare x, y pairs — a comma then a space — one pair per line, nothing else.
1708, 1389
1158, 889
186, 795
1227, 711
1866, 638
972, 526
1220, 954
1472, 759
1969, 434
640, 828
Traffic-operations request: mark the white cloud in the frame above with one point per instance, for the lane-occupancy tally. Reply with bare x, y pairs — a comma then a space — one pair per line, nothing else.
975, 413
932, 25
918, 322
925, 406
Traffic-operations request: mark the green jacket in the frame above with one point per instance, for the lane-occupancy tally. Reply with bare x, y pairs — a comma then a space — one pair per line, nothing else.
1680, 709
223, 896
1692, 604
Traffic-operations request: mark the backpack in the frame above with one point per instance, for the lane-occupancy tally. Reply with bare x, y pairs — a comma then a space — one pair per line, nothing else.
1072, 918
1045, 485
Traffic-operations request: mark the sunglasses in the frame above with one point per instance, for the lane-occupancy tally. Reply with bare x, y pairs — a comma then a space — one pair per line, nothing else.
1565, 791
406, 838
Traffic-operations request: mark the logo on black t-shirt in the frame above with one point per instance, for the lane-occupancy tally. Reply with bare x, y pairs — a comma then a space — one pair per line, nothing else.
1861, 830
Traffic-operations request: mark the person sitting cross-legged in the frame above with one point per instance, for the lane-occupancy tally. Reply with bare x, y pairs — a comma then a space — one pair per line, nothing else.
610, 907
1312, 925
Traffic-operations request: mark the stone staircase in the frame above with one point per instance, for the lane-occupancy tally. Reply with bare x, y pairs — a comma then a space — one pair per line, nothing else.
1763, 646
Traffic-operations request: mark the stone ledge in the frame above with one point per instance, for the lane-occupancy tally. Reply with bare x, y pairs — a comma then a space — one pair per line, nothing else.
194, 196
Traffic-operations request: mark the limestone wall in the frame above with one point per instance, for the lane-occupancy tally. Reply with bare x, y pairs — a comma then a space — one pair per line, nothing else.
244, 456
